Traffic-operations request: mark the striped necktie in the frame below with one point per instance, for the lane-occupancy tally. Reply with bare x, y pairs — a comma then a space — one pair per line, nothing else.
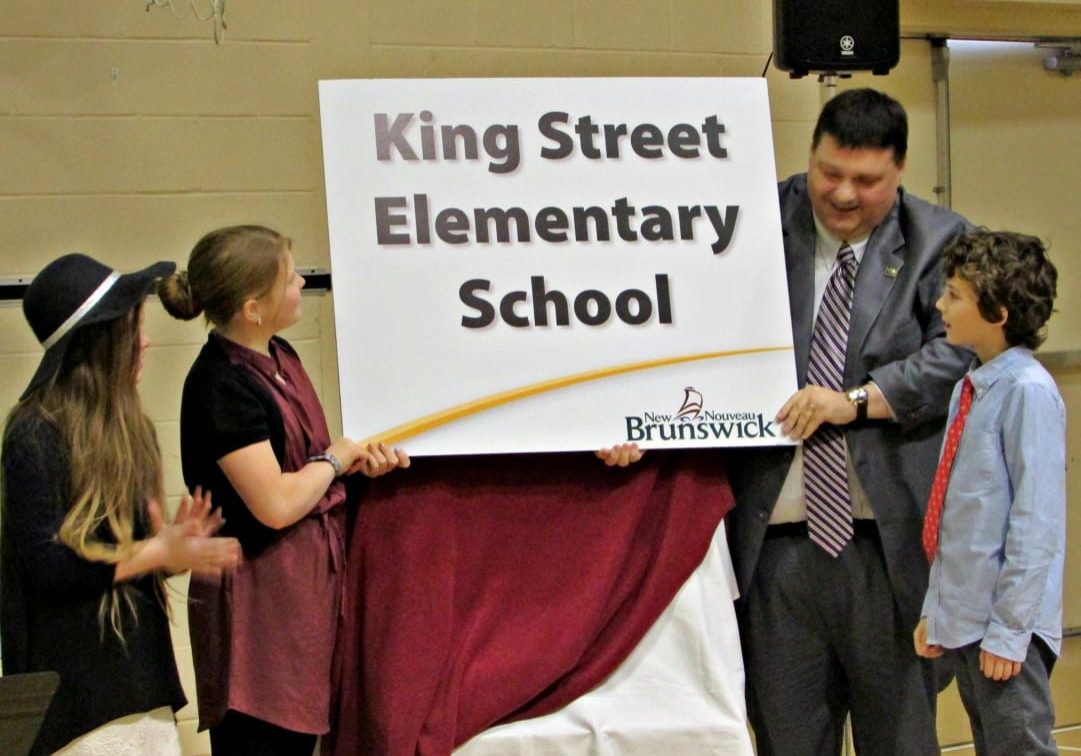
825, 466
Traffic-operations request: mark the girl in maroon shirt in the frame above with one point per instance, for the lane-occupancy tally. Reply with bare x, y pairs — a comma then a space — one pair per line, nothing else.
252, 430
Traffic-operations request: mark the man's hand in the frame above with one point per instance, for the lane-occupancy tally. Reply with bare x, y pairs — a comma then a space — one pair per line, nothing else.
919, 637
811, 406
620, 455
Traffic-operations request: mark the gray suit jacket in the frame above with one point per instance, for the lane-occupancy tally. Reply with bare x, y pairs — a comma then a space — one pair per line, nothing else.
897, 340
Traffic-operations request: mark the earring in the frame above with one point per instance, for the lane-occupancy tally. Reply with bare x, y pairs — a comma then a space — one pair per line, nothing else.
259, 320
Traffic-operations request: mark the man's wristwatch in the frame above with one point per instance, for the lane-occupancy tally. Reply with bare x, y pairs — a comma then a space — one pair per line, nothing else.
858, 396
328, 457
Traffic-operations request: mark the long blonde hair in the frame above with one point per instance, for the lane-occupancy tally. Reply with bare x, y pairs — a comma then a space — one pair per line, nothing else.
115, 462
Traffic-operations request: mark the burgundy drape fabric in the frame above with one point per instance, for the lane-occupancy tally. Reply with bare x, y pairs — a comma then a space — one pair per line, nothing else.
486, 589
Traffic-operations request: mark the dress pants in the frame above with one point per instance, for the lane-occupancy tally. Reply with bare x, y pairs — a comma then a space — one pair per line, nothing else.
1012, 717
822, 639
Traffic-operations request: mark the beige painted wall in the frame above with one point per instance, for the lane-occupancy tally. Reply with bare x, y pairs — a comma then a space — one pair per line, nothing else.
127, 134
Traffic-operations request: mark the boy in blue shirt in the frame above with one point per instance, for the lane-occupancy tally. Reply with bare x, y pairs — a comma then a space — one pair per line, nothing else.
995, 523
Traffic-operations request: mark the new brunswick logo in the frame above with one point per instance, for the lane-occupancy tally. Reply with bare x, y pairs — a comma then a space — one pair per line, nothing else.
692, 422
692, 405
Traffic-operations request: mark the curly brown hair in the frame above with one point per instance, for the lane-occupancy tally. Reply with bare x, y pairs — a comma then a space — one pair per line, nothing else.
1008, 271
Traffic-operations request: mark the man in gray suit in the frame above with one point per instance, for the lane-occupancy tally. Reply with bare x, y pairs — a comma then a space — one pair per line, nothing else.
827, 618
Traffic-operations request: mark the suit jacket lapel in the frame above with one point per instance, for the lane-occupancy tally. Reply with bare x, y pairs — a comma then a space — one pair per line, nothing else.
881, 265
799, 246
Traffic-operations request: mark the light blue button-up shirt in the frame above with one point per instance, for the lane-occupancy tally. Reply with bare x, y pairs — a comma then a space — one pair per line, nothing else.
997, 575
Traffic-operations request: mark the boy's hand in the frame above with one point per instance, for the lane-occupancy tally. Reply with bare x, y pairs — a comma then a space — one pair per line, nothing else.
919, 637
995, 667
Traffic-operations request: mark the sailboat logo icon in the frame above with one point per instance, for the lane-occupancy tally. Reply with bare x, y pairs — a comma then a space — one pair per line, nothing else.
692, 405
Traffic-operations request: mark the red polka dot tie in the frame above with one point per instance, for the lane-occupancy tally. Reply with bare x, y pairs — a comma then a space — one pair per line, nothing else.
933, 518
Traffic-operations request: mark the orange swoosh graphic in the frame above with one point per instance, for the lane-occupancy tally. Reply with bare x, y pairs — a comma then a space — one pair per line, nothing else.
449, 415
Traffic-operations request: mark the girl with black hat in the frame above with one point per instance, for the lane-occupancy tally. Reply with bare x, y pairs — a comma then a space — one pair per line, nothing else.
253, 431
85, 547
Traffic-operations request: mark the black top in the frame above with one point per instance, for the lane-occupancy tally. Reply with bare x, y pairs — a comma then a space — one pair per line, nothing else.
224, 409
49, 599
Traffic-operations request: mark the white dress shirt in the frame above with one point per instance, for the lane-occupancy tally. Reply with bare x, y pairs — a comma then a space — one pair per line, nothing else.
791, 505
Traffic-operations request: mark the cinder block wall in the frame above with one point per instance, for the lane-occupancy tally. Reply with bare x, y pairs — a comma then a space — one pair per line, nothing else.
126, 133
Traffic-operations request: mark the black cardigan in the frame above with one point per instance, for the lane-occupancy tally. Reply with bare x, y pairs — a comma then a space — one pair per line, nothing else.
225, 408
49, 599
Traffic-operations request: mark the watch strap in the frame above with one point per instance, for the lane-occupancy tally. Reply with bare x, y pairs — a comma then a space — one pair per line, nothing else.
859, 398
331, 459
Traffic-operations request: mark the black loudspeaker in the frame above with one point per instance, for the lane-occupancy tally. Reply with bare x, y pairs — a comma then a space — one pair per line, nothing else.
834, 36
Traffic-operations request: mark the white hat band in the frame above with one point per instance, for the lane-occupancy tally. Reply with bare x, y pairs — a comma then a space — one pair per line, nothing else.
84, 308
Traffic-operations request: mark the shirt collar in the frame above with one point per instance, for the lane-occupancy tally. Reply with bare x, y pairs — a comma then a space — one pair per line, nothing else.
984, 376
829, 246
238, 353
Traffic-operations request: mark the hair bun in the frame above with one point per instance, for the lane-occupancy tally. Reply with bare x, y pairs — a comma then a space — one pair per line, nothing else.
177, 296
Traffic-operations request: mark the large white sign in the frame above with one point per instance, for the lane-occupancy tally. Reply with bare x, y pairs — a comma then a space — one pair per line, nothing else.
556, 264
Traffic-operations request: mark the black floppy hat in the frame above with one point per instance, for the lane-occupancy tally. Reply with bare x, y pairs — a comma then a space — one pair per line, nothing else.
74, 291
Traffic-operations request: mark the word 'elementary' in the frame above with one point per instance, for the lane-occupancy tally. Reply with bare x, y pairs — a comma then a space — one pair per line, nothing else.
502, 147
552, 224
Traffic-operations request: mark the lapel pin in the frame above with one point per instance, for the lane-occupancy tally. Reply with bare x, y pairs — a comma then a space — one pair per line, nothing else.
891, 271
